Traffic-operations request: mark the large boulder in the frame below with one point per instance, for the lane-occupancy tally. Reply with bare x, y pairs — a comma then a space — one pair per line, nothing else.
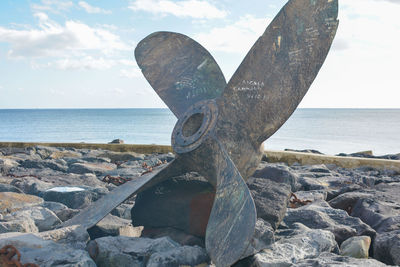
387, 247
330, 259
57, 165
271, 199
44, 218
129, 251
46, 253
319, 215
91, 167
293, 245
378, 207
10, 201
74, 197
278, 173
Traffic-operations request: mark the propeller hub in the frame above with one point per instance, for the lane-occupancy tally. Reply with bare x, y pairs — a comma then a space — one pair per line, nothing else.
194, 126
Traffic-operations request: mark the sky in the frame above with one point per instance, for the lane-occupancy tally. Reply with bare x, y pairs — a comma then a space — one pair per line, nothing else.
79, 54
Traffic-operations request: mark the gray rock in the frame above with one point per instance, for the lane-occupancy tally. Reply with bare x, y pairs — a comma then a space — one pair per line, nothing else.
379, 208
262, 238
319, 215
312, 195
10, 201
387, 247
9, 188
31, 185
177, 235
122, 156
6, 164
300, 243
330, 259
44, 218
356, 247
271, 199
278, 173
128, 251
182, 203
95, 168
46, 253
75, 198
63, 212
25, 225
56, 165
123, 211
114, 226
128, 173
72, 236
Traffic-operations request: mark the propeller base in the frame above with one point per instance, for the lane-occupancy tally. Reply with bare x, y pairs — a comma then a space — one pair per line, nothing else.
194, 126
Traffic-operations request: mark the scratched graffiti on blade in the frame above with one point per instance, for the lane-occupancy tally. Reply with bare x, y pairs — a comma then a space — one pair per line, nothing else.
221, 126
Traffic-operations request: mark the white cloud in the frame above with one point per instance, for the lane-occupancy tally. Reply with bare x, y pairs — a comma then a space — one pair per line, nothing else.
364, 72
199, 9
92, 9
53, 39
130, 73
238, 37
86, 63
55, 6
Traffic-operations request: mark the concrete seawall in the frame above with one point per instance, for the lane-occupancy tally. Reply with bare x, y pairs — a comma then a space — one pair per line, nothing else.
273, 156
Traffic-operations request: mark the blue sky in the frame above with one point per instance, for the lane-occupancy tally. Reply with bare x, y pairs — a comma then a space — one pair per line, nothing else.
79, 54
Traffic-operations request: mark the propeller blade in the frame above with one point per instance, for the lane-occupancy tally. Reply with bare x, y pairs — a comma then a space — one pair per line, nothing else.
180, 70
233, 216
277, 72
91, 215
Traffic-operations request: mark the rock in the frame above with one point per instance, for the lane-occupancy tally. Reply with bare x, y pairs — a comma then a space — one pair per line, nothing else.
270, 198
312, 195
129, 251
319, 215
127, 173
117, 141
378, 207
96, 168
6, 164
10, 201
177, 235
57, 165
65, 154
44, 218
262, 238
123, 211
63, 212
74, 197
31, 185
356, 247
45, 151
330, 259
278, 173
9, 188
387, 247
114, 226
46, 253
182, 203
299, 243
122, 157
319, 169
73, 236
25, 225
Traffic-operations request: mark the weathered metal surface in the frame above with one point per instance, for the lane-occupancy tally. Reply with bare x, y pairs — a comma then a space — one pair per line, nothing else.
180, 70
219, 133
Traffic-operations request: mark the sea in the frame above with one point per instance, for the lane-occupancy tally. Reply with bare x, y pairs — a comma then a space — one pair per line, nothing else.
330, 131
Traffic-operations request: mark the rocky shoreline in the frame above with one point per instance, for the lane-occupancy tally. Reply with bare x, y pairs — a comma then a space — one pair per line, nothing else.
315, 215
